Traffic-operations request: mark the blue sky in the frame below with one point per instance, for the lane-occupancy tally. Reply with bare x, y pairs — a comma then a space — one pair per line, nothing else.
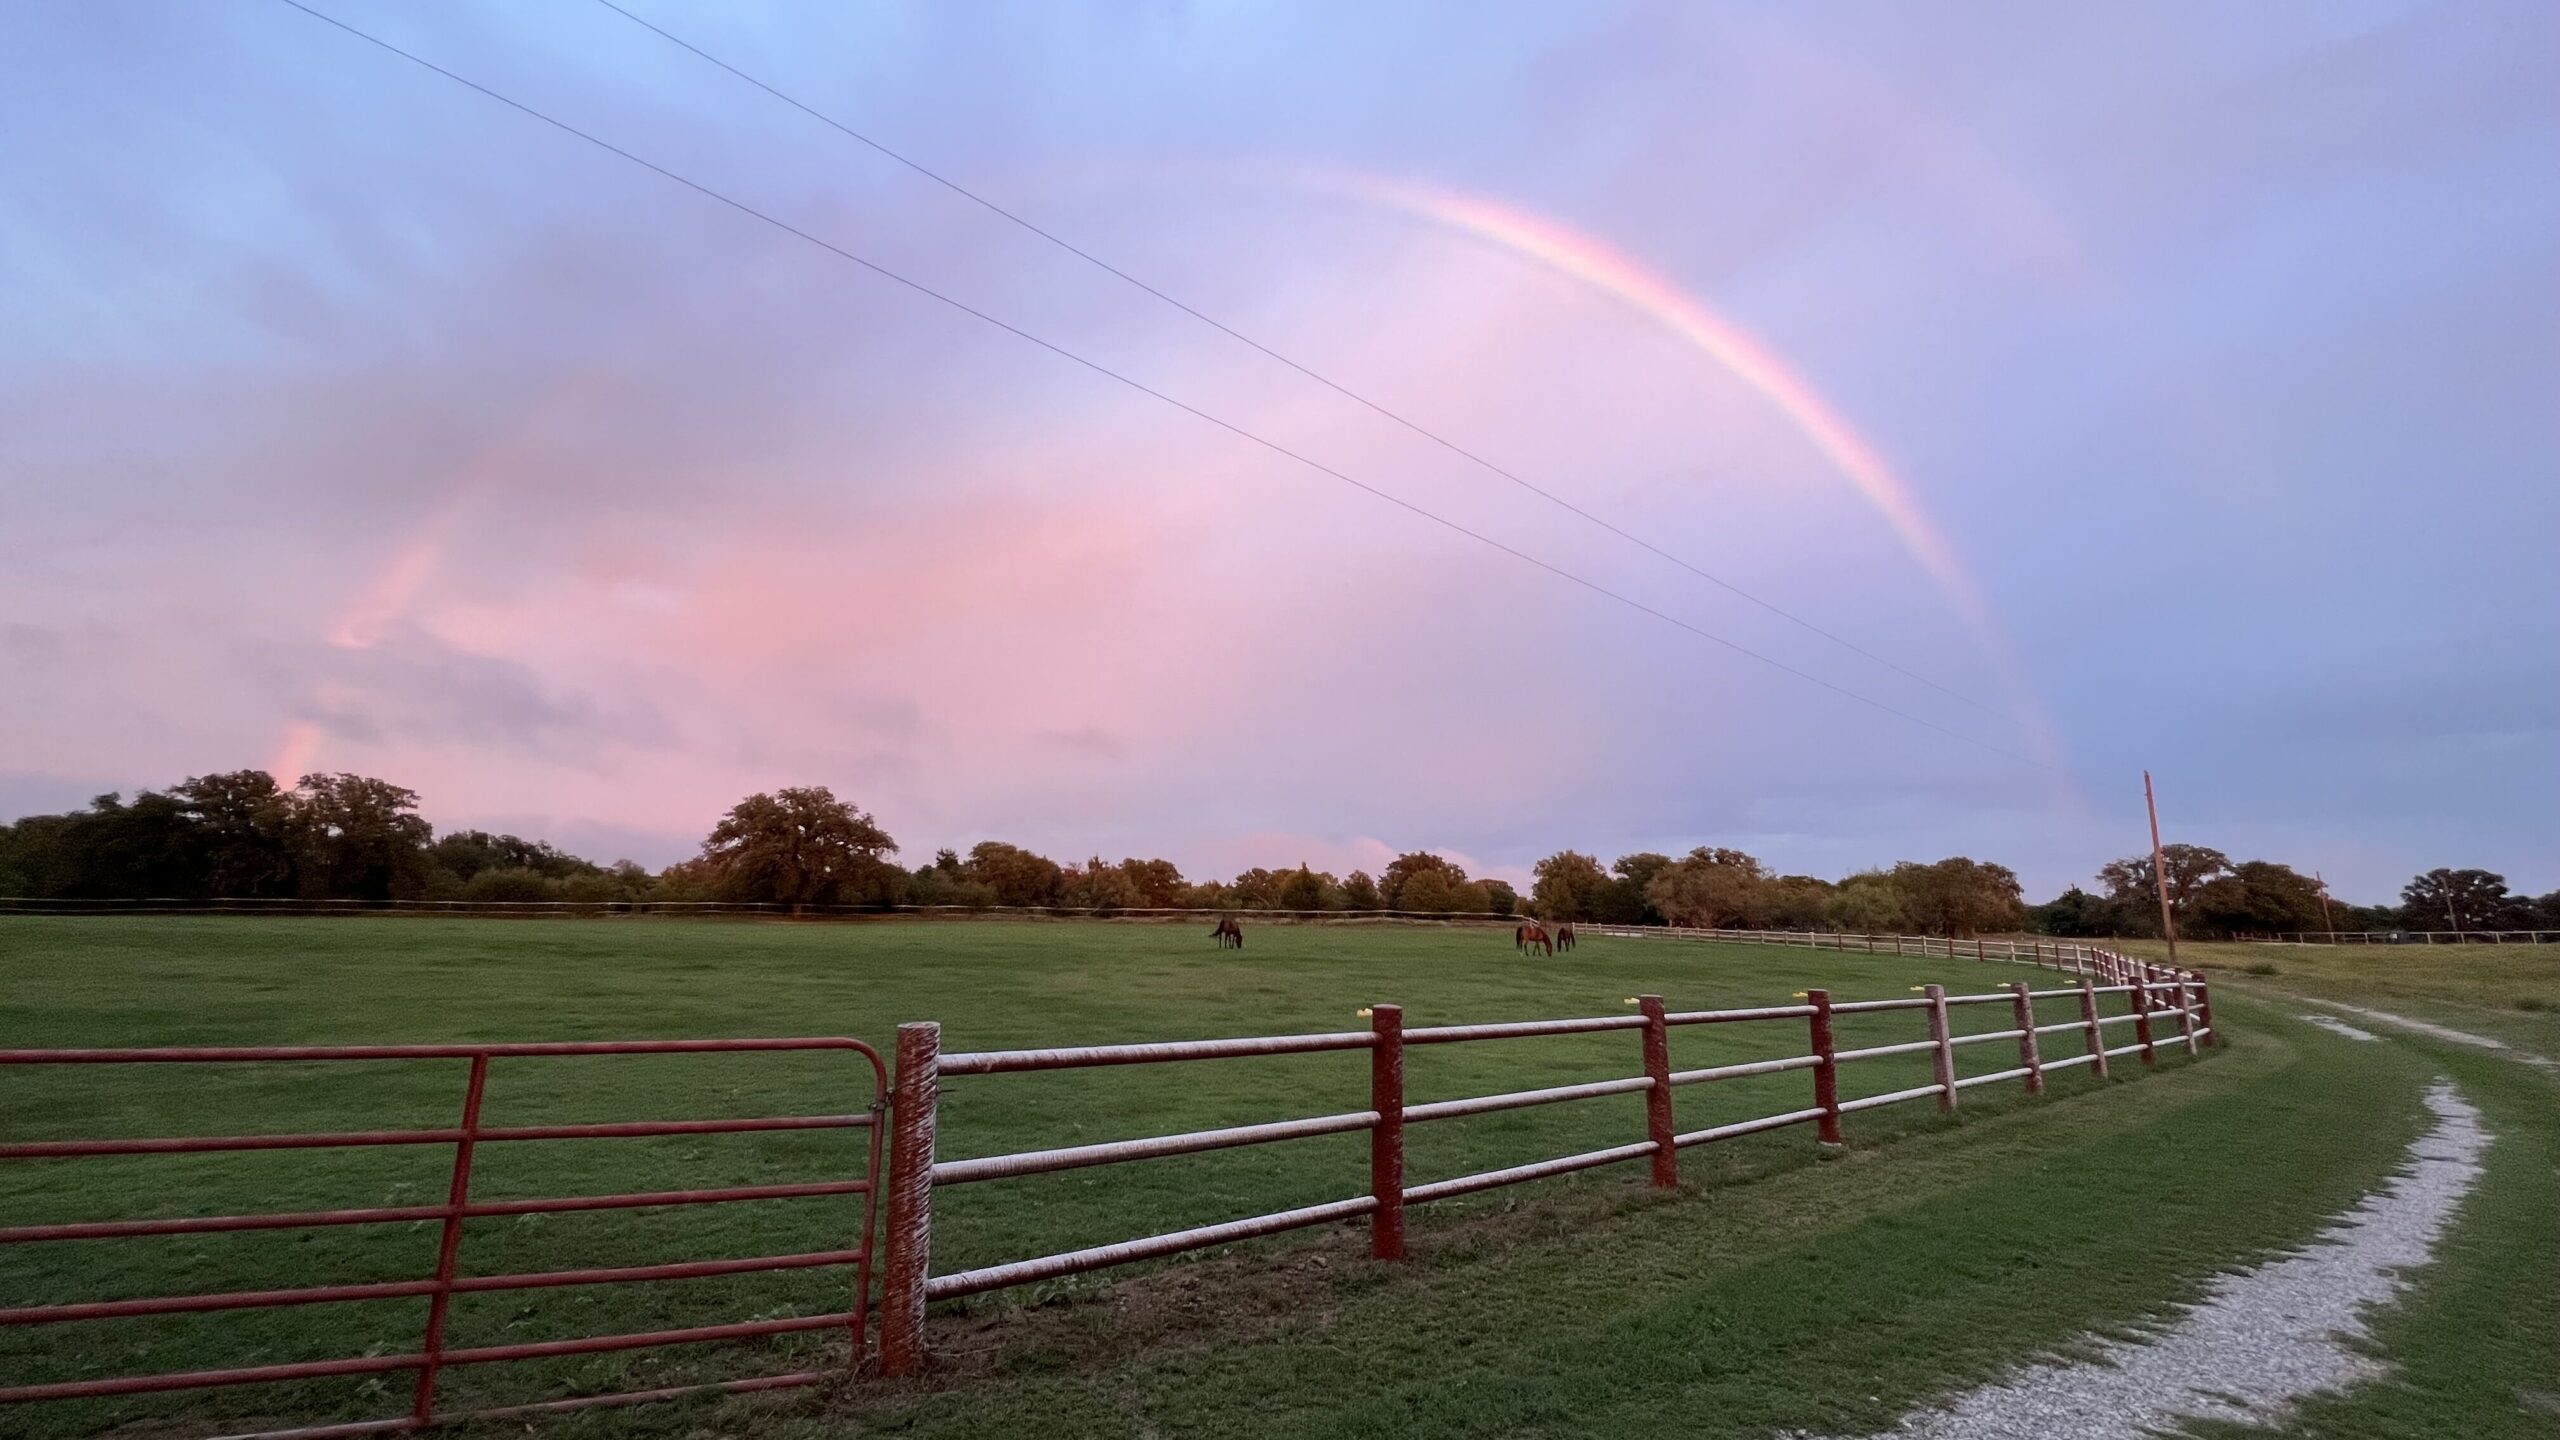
349, 420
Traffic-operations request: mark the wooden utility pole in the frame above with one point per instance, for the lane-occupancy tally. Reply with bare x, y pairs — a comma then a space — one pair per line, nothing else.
2160, 871
2325, 917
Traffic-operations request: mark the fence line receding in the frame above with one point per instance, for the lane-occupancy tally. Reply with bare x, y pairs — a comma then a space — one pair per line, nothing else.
2165, 1008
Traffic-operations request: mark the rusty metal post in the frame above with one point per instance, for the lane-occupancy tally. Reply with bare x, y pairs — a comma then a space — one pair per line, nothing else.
1386, 1138
1826, 1070
2089, 1023
1944, 1056
908, 1253
2186, 1011
2028, 1054
422, 1405
2204, 1010
1978, 956
1657, 1099
2142, 1013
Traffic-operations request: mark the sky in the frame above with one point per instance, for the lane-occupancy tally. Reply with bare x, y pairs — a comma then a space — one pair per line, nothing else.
2133, 386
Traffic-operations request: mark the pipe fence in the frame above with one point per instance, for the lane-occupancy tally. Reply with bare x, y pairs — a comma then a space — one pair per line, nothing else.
2164, 1009
2043, 952
2403, 937
2158, 1000
2070, 957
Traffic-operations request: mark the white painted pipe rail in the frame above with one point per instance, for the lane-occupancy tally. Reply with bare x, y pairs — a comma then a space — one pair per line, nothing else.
1519, 1099
1038, 1162
1520, 1029
1748, 1127
1981, 1036
994, 1062
1848, 1107
1050, 1267
1721, 1017
1493, 1179
1910, 1047
1749, 1067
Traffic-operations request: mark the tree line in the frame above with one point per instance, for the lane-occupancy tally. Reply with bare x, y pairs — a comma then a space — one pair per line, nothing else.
242, 835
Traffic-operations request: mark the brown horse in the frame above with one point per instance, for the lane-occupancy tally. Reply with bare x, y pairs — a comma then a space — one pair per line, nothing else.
1532, 936
1564, 937
1230, 935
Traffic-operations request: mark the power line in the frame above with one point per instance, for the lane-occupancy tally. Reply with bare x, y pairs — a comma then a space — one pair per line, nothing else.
1141, 387
956, 188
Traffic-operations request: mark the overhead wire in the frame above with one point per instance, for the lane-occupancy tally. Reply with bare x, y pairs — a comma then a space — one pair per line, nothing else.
1453, 447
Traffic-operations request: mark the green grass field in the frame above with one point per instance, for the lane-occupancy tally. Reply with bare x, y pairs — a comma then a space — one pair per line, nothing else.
1774, 1290
2511, 992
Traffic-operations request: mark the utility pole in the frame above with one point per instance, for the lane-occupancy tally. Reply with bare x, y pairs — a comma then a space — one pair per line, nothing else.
2326, 918
2160, 872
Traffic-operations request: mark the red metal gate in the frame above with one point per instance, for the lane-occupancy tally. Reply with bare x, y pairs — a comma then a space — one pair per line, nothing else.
432, 1354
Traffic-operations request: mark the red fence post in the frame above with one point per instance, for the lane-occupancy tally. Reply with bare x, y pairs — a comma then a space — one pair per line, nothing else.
1978, 956
422, 1408
908, 1253
2204, 1009
2089, 1022
1386, 1138
1657, 1099
1826, 1071
1945, 1055
2142, 1013
2025, 1006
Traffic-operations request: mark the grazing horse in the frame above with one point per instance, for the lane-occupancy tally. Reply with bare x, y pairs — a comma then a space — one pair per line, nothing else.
1564, 937
1532, 936
1230, 935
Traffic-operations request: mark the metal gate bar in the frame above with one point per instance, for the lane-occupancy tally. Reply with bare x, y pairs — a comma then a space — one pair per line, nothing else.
433, 1355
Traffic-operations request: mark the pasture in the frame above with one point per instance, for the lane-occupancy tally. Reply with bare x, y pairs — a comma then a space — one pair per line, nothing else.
1773, 1290
2508, 991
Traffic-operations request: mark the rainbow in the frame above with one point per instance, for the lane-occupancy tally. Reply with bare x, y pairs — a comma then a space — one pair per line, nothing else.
1537, 239
396, 583
1594, 263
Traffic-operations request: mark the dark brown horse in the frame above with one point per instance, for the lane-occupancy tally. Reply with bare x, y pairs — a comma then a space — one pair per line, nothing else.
1230, 935
1564, 937
1532, 936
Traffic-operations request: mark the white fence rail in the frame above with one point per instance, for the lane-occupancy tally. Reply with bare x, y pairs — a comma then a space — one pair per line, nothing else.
2405, 937
2070, 957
